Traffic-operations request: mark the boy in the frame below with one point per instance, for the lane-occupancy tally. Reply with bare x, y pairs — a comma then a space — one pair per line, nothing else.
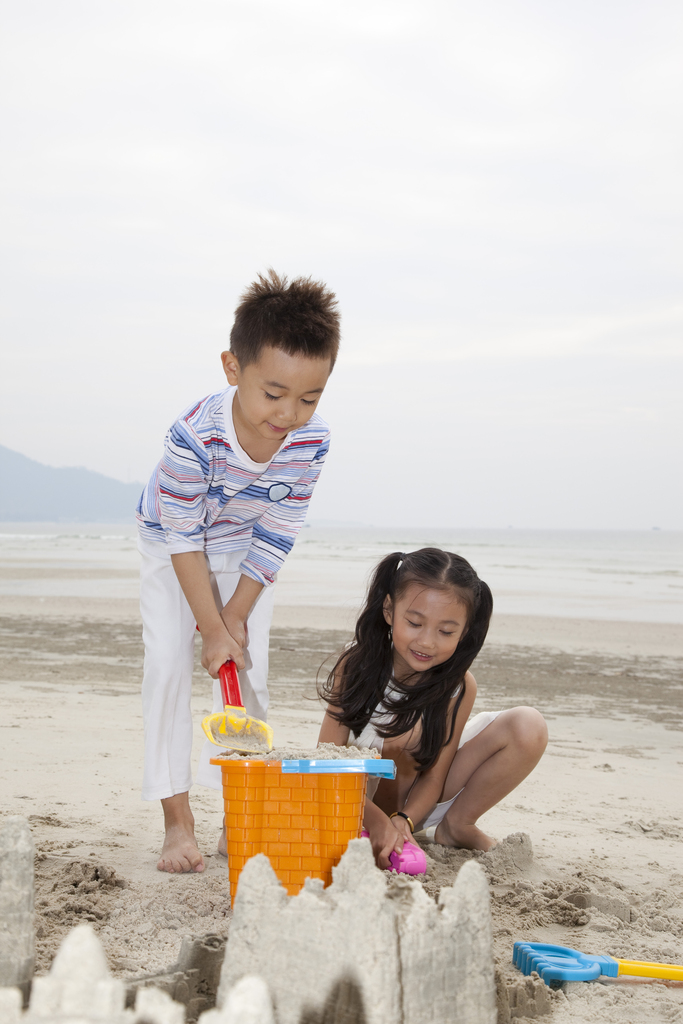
216, 521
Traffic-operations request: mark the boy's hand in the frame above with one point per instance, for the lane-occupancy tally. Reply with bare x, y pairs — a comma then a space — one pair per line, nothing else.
219, 647
235, 625
236, 612
385, 838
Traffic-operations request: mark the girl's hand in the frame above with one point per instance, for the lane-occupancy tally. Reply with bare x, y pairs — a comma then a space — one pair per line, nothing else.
403, 828
385, 838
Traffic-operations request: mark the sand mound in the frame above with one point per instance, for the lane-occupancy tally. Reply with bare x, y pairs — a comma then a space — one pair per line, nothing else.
511, 857
587, 911
141, 925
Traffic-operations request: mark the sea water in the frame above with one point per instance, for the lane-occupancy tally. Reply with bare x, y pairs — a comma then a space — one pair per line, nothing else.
636, 576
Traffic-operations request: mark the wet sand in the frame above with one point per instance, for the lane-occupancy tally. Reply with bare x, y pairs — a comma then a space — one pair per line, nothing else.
597, 865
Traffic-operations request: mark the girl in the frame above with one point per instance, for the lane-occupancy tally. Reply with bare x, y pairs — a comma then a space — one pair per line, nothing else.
403, 686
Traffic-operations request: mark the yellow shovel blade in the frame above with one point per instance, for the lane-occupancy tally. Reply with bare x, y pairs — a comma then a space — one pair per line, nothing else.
234, 729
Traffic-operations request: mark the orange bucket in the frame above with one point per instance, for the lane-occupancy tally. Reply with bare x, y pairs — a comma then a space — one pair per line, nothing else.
302, 821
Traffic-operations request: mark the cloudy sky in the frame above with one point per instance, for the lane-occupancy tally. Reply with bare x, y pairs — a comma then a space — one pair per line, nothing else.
493, 189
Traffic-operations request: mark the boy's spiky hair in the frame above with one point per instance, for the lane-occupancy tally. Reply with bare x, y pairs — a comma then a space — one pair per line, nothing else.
301, 317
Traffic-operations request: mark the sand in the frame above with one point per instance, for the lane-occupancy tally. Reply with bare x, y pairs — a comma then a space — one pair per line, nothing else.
322, 752
592, 856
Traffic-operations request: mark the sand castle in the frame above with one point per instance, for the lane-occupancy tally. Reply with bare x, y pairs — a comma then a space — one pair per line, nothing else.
370, 949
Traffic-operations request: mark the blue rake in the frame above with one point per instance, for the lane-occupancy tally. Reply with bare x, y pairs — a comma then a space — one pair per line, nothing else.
561, 963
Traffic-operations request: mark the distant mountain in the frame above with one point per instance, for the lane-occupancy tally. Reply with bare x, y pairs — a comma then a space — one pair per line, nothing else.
32, 492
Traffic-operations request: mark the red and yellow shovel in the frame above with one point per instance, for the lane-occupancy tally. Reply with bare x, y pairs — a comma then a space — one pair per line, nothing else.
234, 728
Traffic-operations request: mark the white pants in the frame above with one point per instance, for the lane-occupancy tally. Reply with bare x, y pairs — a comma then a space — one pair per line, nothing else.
168, 632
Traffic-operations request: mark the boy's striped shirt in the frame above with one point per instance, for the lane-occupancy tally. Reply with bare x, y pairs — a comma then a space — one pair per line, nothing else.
207, 495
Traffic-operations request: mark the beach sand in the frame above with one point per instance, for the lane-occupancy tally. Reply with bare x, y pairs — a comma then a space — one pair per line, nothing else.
594, 859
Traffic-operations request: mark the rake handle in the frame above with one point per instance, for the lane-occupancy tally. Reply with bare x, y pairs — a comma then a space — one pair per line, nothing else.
230, 685
648, 969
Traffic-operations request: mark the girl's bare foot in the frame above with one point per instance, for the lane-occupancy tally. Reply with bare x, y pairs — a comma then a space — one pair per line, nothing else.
465, 837
180, 852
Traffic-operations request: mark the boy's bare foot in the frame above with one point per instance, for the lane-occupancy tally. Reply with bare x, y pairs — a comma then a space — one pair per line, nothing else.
223, 842
465, 837
180, 852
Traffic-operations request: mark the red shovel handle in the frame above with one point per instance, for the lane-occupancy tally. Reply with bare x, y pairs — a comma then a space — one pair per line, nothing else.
230, 685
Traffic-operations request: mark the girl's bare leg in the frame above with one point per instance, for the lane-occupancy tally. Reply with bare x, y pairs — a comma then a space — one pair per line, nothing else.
486, 769
391, 794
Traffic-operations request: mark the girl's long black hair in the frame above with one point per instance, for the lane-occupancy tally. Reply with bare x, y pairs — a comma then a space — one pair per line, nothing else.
365, 668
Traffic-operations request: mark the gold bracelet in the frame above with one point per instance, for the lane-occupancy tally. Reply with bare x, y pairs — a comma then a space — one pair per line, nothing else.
401, 814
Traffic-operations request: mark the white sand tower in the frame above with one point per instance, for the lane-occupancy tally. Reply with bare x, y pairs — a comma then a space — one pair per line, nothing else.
17, 942
371, 948
79, 985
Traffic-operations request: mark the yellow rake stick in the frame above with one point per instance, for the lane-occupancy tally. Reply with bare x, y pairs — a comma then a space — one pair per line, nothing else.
642, 969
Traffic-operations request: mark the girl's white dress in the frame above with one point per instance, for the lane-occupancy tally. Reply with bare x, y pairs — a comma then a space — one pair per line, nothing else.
370, 738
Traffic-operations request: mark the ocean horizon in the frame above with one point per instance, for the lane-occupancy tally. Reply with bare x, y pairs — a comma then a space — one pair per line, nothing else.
595, 574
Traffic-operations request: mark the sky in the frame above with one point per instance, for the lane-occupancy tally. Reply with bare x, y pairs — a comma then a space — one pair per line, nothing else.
492, 189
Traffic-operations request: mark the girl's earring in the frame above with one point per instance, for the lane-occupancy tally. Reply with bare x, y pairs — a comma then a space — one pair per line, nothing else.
390, 634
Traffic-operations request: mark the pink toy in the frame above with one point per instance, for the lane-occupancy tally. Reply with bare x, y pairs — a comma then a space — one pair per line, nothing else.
410, 861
